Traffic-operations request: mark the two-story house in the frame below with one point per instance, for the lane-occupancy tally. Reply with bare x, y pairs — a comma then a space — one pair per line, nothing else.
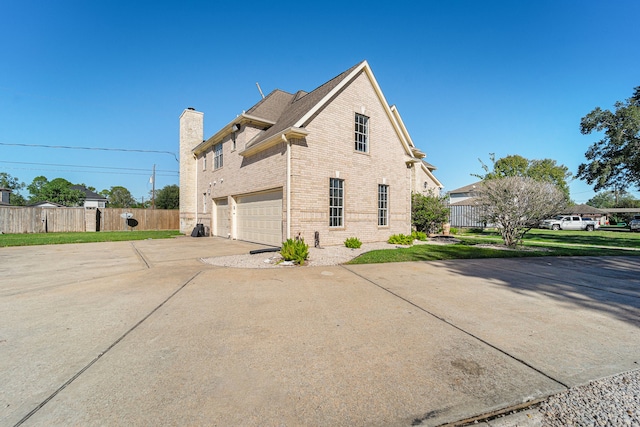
336, 162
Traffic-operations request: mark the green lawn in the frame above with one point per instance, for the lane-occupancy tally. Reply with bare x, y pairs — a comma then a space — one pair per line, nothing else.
102, 236
552, 243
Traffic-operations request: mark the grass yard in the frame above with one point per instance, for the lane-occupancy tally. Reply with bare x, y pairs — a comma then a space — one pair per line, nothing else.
61, 238
536, 243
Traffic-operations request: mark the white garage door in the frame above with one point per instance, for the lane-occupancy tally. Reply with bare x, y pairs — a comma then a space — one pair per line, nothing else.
222, 217
260, 218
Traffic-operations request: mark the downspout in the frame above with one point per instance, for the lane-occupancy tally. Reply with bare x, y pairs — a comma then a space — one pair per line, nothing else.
196, 188
288, 231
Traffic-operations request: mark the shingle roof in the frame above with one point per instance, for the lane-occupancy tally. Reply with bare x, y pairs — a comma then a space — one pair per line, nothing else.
272, 106
89, 195
300, 104
583, 210
466, 188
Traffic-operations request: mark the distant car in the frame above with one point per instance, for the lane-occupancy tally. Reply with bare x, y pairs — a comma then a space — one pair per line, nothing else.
570, 222
634, 225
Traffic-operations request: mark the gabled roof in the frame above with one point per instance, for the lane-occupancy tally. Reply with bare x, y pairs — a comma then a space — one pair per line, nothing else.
303, 106
46, 202
272, 106
467, 188
583, 209
283, 115
89, 195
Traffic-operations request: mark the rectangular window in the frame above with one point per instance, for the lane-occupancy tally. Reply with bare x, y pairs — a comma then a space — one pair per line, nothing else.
217, 156
362, 133
336, 202
204, 161
383, 205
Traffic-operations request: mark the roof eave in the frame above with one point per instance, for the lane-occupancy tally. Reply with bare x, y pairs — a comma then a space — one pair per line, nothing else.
431, 175
242, 119
285, 135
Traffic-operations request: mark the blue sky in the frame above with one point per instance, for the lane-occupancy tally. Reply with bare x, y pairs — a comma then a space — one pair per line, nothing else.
468, 77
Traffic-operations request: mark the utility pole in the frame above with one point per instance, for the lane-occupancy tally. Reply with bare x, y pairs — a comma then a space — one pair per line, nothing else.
153, 188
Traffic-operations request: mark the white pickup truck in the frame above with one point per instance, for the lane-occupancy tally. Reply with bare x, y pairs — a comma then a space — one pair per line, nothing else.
569, 222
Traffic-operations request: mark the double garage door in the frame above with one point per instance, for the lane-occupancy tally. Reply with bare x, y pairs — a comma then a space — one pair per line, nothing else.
259, 218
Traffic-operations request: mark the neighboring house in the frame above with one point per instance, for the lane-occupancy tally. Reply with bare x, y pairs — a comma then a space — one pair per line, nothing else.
463, 210
5, 195
464, 194
91, 199
587, 211
337, 161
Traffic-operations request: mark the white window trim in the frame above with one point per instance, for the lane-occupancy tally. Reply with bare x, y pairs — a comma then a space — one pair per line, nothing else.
383, 205
361, 133
336, 211
218, 159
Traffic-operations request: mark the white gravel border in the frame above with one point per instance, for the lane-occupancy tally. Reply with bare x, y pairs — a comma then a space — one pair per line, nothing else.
328, 255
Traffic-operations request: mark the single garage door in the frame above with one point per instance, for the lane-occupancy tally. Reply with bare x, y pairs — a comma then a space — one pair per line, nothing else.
222, 217
260, 218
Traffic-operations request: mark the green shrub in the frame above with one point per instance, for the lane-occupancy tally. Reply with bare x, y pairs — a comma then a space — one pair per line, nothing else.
353, 243
295, 250
453, 230
419, 235
401, 239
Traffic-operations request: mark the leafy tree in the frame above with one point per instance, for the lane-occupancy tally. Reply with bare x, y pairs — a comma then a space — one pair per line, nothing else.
614, 199
545, 170
13, 183
119, 197
36, 186
516, 204
57, 190
168, 197
613, 161
88, 187
429, 212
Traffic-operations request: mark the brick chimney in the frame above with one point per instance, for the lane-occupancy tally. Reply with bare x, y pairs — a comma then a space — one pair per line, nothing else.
191, 134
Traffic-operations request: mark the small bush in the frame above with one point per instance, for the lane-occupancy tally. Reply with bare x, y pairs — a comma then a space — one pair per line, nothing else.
353, 243
419, 235
295, 250
454, 230
401, 239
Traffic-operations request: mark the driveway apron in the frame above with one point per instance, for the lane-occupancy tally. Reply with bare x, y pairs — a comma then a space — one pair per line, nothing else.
150, 335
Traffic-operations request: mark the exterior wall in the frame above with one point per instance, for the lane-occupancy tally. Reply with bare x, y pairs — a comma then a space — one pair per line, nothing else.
191, 134
239, 176
328, 152
94, 204
420, 177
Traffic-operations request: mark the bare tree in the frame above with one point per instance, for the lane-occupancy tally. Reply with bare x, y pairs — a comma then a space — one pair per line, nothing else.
517, 204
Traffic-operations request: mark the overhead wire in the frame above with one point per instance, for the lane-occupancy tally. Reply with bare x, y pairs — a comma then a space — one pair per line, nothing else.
84, 166
68, 147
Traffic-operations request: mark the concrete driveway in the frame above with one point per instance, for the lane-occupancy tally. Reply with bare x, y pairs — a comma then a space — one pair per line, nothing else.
143, 333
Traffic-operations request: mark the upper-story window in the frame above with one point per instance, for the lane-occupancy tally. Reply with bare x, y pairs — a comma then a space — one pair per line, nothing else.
362, 133
217, 156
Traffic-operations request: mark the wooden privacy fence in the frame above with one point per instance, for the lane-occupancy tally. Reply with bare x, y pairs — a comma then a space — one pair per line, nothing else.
145, 219
21, 219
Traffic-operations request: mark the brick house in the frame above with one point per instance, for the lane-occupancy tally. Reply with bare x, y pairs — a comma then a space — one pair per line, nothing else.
337, 160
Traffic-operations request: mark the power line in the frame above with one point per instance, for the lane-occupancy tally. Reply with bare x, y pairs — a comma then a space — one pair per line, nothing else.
82, 171
84, 166
90, 148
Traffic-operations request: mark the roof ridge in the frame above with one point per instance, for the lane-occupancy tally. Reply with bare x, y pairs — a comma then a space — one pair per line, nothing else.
257, 104
339, 76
